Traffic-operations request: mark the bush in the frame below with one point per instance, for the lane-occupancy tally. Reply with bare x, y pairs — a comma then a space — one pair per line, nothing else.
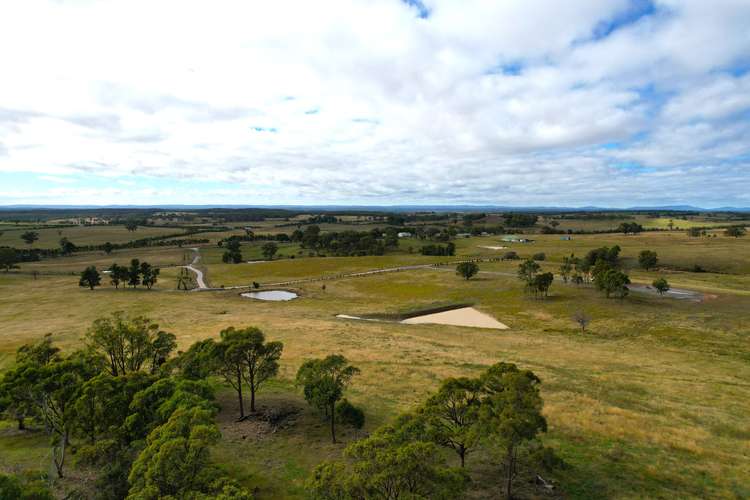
348, 414
661, 285
539, 256
11, 488
511, 256
647, 259
467, 269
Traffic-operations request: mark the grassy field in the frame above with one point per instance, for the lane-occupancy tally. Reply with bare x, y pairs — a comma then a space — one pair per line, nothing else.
678, 223
651, 402
82, 235
157, 256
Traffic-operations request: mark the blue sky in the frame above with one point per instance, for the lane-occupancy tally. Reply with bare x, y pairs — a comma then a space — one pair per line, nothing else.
594, 102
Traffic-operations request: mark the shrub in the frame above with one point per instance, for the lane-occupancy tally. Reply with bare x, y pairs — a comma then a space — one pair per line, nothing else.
511, 256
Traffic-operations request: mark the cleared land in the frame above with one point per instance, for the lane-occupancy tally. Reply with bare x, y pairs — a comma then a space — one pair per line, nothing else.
651, 401
82, 235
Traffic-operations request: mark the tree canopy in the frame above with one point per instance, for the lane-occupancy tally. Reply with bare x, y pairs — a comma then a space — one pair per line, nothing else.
90, 277
467, 270
324, 382
648, 259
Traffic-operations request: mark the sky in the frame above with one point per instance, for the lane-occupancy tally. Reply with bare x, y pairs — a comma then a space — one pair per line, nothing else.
375, 102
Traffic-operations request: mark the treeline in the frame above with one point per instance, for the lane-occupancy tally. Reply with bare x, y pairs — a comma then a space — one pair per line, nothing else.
347, 243
137, 273
516, 219
144, 420
67, 246
449, 249
499, 411
10, 256
593, 216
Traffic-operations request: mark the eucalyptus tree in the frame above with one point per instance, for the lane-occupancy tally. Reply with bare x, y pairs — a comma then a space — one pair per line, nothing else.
452, 415
324, 382
511, 414
261, 360
467, 269
129, 344
29, 237
661, 285
90, 278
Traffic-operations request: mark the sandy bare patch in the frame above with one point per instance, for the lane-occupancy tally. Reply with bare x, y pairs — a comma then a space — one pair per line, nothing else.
492, 248
465, 316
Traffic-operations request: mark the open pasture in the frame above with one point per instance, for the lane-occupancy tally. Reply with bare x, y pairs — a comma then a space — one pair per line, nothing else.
83, 235
650, 401
585, 223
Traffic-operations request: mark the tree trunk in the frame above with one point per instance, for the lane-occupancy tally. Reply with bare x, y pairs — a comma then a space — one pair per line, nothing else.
333, 420
509, 479
252, 398
462, 454
21, 423
239, 394
59, 460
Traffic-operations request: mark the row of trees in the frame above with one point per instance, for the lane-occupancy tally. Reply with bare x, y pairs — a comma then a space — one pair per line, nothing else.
735, 231
629, 228
146, 422
347, 243
124, 410
138, 273
67, 247
535, 283
242, 358
501, 410
447, 249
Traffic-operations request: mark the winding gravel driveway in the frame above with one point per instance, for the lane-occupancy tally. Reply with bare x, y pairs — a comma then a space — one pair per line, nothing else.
198, 272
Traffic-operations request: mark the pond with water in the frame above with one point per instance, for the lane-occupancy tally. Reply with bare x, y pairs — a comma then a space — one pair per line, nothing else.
274, 295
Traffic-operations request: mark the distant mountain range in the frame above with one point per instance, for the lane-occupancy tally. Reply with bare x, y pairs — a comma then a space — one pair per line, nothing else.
390, 208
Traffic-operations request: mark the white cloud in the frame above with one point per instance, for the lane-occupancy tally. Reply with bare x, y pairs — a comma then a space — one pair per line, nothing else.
409, 110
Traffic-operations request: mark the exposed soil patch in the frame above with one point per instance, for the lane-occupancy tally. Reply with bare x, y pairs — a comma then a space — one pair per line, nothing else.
454, 315
271, 416
465, 316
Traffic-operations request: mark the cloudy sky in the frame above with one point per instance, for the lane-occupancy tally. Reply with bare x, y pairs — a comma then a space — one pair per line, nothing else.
586, 102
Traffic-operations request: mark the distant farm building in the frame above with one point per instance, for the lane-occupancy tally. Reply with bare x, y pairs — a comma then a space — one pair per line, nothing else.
512, 238
91, 221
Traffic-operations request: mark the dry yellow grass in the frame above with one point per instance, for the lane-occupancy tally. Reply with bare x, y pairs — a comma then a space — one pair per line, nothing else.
651, 402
